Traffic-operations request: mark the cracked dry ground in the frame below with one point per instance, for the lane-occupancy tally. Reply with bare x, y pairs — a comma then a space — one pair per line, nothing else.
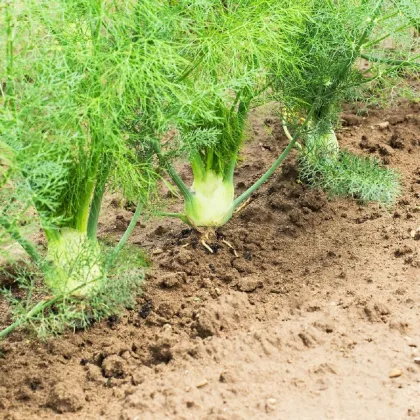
316, 316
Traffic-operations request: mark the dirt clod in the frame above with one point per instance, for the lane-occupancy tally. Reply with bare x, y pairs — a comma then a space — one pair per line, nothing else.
402, 326
202, 383
146, 309
415, 234
249, 284
371, 313
94, 374
307, 339
114, 367
170, 280
314, 200
280, 204
382, 309
385, 150
161, 350
396, 142
351, 120
66, 397
227, 377
403, 250
396, 119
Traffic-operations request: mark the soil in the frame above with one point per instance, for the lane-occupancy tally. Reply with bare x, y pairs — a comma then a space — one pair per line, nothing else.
308, 307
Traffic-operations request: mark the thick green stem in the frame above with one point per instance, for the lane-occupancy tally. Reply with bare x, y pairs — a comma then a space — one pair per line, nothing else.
197, 166
178, 182
236, 101
209, 160
83, 213
228, 176
243, 109
289, 136
82, 216
87, 218
95, 209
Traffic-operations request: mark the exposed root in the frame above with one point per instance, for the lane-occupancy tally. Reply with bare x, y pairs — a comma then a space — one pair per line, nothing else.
208, 236
231, 247
203, 242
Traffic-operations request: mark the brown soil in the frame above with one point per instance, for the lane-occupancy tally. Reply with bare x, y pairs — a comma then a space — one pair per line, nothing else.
307, 309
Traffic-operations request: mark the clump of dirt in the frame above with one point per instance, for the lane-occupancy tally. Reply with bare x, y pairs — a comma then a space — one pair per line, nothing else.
66, 397
302, 306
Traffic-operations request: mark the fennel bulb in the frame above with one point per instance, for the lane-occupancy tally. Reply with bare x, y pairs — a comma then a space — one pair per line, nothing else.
211, 202
75, 264
322, 145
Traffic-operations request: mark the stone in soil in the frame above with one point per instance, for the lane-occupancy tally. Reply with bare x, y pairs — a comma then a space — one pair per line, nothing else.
395, 373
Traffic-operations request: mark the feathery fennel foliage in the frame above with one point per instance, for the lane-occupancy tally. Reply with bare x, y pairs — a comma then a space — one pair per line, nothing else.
363, 178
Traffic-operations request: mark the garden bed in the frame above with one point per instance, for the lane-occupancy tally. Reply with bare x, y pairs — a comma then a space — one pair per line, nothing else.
308, 307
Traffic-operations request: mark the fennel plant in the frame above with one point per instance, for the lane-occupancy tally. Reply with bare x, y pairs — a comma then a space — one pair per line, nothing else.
232, 45
75, 74
336, 36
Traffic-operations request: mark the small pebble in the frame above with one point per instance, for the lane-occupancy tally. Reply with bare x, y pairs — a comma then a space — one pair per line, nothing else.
270, 405
202, 383
415, 234
395, 373
417, 360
